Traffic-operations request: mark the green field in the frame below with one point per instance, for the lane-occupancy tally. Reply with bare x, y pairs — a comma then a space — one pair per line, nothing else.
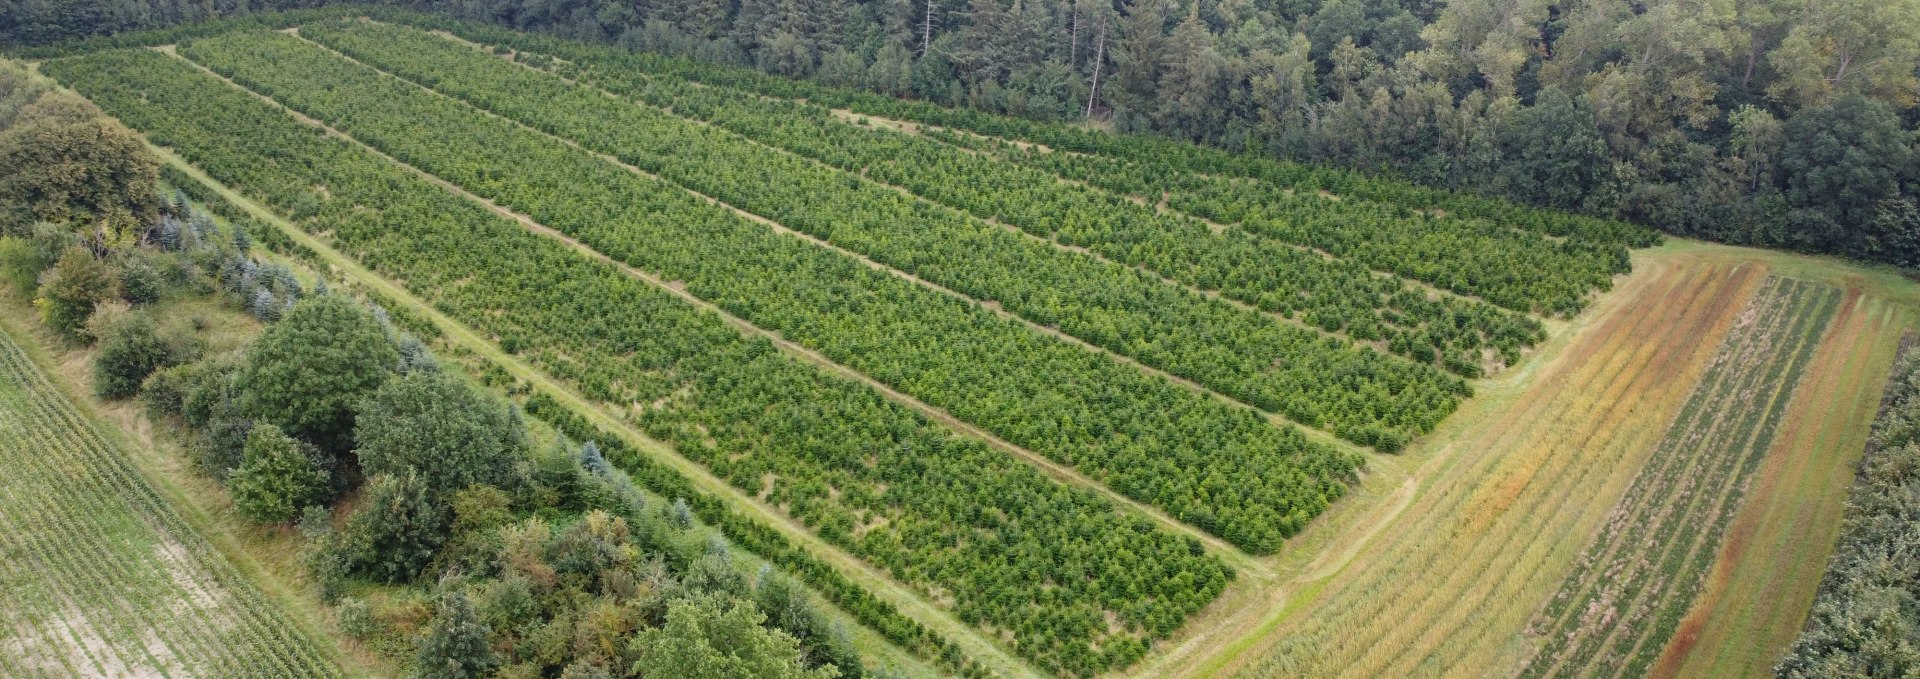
102, 577
1026, 399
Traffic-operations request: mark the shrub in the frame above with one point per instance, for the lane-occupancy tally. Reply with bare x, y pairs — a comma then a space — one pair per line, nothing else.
24, 258
130, 350
278, 478
306, 373
221, 447
705, 638
141, 280
397, 532
450, 433
356, 619
456, 644
165, 391
69, 291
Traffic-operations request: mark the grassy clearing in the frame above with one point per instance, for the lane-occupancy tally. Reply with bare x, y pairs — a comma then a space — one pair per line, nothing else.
1398, 581
1624, 599
1755, 599
103, 577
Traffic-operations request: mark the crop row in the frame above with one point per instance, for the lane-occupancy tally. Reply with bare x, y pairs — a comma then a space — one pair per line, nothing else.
1219, 466
1047, 564
1271, 268
743, 531
1516, 269
1627, 593
1178, 155
1335, 296
101, 570
1313, 378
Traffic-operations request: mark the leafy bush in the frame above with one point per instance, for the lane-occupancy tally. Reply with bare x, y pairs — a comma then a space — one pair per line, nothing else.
437, 425
307, 372
278, 478
130, 349
399, 530
69, 291
456, 644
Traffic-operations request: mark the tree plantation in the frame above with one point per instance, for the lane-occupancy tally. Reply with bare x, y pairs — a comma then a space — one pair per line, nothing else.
844, 339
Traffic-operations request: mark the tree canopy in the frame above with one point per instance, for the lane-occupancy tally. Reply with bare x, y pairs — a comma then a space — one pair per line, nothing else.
62, 161
436, 424
309, 371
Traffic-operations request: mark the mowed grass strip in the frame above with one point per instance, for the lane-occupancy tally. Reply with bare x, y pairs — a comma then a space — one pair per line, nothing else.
101, 577
1616, 611
1757, 595
1506, 488
1062, 575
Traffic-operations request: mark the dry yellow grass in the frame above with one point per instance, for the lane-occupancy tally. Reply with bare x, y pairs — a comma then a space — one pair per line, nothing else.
1757, 595
1438, 563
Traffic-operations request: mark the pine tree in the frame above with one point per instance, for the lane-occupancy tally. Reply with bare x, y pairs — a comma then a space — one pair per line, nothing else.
1188, 101
456, 643
169, 233
682, 515
264, 305
593, 461
415, 357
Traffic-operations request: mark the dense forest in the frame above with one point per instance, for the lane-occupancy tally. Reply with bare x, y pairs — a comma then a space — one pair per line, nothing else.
1779, 123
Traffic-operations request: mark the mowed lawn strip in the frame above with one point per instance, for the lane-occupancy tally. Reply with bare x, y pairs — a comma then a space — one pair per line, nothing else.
104, 578
1074, 584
